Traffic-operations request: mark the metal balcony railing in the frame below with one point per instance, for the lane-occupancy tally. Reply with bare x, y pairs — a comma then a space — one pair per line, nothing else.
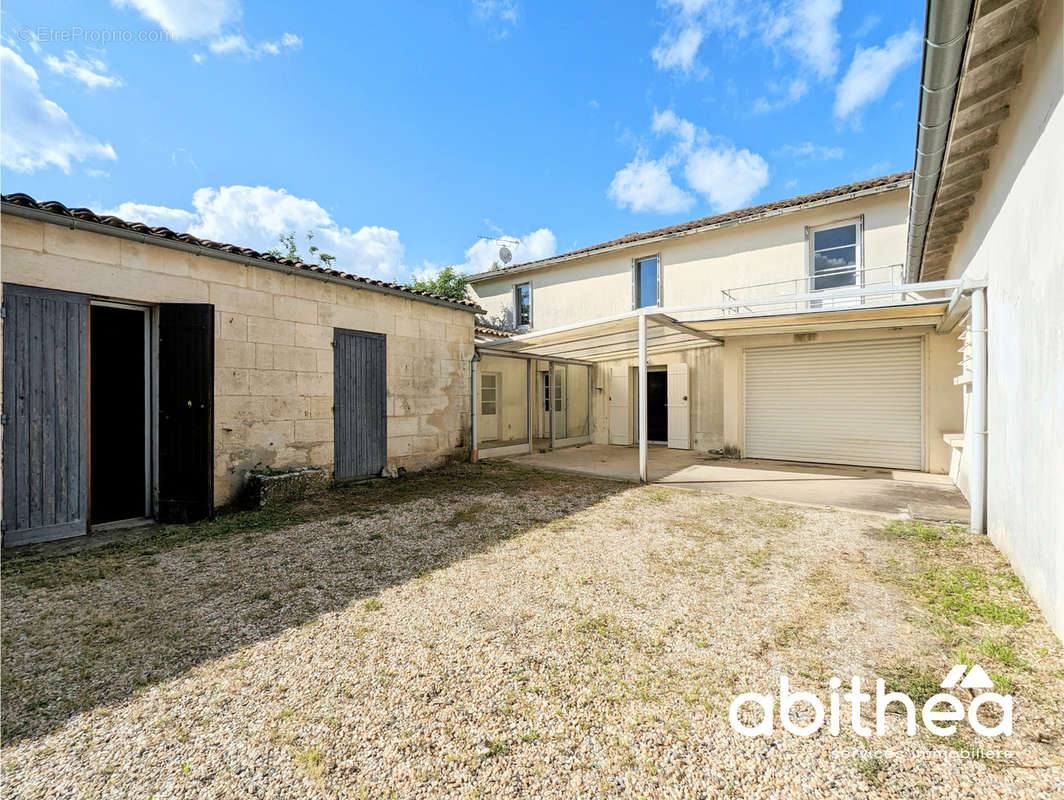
842, 288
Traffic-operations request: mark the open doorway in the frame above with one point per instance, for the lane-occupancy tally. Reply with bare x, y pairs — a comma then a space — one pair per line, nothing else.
119, 413
657, 406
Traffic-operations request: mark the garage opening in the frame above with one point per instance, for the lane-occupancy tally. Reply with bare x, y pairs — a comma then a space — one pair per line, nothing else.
857, 403
119, 414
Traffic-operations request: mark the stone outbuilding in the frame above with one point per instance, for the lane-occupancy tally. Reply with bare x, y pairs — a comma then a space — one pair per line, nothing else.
146, 372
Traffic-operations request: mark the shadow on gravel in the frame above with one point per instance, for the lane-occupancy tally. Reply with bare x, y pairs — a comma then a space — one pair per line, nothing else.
91, 624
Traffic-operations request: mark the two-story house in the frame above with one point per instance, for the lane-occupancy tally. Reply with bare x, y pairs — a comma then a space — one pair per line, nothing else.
781, 331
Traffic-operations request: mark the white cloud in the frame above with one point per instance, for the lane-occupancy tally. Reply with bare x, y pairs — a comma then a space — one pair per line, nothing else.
497, 16
684, 131
868, 24
646, 185
187, 19
687, 25
727, 177
784, 96
36, 132
90, 71
176, 219
236, 44
807, 29
678, 50
872, 70
807, 151
254, 216
531, 247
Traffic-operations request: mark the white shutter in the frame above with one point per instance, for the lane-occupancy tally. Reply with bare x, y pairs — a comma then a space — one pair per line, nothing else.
679, 407
840, 403
619, 418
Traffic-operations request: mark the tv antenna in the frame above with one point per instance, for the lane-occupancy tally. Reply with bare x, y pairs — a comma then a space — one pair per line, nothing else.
505, 245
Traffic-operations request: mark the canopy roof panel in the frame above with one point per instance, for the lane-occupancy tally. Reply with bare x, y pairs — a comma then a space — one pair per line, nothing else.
680, 328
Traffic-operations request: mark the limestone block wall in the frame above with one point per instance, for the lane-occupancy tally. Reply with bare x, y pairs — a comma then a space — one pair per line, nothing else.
273, 346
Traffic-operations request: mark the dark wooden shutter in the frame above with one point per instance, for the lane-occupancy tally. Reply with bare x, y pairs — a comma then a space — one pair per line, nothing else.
359, 411
186, 412
45, 414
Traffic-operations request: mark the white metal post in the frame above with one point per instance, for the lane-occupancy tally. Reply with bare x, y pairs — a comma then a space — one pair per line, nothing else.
528, 401
550, 399
474, 454
643, 397
978, 416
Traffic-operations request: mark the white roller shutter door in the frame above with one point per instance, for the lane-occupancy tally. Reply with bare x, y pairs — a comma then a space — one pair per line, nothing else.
840, 403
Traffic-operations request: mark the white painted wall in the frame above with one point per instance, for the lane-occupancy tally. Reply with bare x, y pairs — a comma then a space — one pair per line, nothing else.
697, 267
1014, 238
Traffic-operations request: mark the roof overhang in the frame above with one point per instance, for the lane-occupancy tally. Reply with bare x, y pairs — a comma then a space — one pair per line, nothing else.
949, 168
682, 328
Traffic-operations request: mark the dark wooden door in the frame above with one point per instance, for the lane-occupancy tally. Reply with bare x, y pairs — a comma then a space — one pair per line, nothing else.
45, 414
186, 412
360, 432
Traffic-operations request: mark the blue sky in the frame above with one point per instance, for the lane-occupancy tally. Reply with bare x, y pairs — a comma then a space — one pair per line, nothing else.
398, 132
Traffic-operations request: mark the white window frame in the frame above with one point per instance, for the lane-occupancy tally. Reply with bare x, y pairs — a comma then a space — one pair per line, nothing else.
858, 222
517, 305
498, 392
635, 280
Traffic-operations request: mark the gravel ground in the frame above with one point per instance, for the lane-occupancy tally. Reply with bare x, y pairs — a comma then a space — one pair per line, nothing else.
515, 634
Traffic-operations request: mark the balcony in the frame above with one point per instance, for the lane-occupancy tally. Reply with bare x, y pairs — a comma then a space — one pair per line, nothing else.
843, 287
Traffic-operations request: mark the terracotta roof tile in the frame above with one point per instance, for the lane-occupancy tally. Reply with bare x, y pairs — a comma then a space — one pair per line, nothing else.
88, 215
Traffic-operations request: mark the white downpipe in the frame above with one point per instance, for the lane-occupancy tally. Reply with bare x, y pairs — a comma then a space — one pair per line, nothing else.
643, 397
977, 493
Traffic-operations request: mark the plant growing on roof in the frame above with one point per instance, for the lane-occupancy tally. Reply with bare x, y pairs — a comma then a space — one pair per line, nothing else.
291, 250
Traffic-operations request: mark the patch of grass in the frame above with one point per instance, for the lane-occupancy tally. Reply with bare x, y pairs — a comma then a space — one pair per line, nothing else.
495, 747
371, 604
962, 594
1002, 683
919, 683
1001, 650
468, 515
872, 769
263, 595
947, 535
759, 558
310, 759
602, 624
658, 494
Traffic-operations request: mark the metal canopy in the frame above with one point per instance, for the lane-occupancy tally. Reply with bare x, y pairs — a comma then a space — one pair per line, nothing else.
648, 331
604, 339
680, 328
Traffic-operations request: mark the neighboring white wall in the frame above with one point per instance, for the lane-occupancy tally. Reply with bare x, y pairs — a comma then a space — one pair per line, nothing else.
1014, 238
699, 266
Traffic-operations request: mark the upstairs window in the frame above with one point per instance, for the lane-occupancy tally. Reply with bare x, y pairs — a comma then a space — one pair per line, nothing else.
835, 257
523, 305
646, 282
